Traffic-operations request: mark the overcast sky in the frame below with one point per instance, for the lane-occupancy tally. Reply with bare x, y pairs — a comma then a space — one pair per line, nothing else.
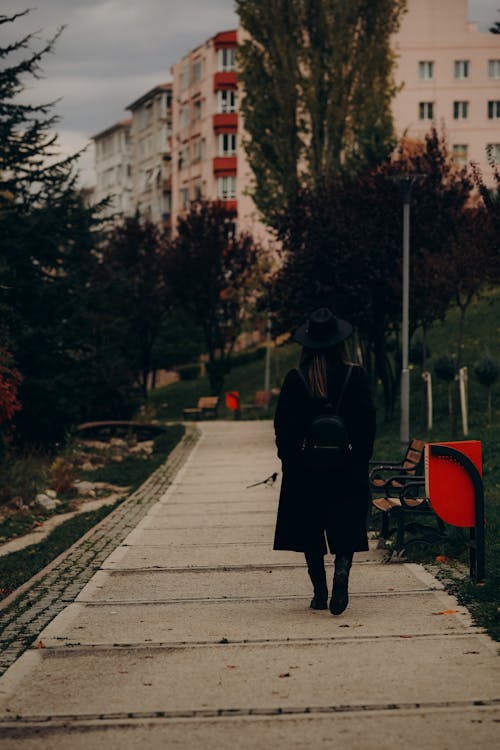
112, 51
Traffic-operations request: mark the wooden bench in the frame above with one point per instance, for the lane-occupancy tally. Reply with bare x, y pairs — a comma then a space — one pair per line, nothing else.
262, 401
206, 408
401, 496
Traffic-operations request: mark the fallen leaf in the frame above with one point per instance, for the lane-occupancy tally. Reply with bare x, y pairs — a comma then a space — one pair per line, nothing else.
344, 626
442, 558
406, 636
284, 674
471, 652
40, 644
231, 666
147, 684
447, 612
223, 640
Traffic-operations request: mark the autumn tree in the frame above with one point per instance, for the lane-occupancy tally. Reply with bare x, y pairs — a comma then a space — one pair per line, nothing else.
318, 82
133, 270
343, 248
213, 275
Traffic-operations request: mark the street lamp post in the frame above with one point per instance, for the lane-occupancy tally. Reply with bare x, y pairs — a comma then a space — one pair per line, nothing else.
406, 183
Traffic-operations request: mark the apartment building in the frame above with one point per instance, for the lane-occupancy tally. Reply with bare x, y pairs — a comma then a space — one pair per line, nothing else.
113, 167
150, 135
449, 74
207, 152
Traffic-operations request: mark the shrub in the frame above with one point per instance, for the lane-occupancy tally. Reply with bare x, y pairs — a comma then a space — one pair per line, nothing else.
61, 475
189, 372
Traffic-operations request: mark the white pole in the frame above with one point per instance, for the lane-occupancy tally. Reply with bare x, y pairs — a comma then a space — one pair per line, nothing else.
405, 372
462, 379
267, 371
428, 383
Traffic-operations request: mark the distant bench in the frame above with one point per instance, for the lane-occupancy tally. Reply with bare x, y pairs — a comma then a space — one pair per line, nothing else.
118, 428
206, 408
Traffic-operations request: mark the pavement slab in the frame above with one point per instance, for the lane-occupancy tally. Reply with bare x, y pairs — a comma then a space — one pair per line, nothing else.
193, 632
268, 582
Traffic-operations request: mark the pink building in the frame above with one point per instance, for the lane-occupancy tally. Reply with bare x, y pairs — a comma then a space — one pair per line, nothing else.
450, 74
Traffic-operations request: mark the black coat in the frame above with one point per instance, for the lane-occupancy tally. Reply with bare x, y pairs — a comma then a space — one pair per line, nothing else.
313, 503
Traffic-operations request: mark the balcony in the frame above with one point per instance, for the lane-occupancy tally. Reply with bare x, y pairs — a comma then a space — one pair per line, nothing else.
224, 81
225, 39
225, 166
231, 206
226, 122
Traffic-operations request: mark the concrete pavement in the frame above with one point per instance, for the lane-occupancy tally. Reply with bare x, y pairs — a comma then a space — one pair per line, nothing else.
194, 633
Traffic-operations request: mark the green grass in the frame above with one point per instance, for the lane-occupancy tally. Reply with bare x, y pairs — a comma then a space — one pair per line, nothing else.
18, 567
169, 401
133, 471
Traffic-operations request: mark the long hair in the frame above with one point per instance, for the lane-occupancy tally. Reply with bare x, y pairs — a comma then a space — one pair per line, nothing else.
317, 362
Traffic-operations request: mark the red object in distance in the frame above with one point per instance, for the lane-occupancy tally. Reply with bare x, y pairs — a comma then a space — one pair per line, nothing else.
233, 400
449, 486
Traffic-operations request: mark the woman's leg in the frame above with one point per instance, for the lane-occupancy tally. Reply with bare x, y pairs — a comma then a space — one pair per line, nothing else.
340, 591
316, 568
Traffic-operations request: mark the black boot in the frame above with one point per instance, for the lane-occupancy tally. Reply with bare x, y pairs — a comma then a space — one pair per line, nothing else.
340, 592
317, 574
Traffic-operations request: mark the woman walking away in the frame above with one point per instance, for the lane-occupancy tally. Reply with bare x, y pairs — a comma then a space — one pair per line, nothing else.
325, 428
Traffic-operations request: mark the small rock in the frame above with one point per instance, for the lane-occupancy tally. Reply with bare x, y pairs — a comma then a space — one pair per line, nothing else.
51, 493
87, 466
85, 488
46, 502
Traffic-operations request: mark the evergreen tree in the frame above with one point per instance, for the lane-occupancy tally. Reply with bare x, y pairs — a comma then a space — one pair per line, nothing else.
48, 263
317, 76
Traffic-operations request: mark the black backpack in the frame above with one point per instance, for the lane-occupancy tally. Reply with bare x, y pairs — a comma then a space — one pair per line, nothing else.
326, 443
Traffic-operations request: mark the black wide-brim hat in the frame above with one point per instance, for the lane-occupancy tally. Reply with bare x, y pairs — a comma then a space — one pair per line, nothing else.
322, 330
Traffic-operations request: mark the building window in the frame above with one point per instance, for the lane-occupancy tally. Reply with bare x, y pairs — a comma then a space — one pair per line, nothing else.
148, 179
197, 192
226, 188
426, 70
493, 151
226, 144
183, 158
197, 150
197, 70
493, 68
184, 198
461, 69
227, 59
426, 110
226, 101
197, 109
460, 153
166, 203
460, 110
494, 110
185, 116
185, 76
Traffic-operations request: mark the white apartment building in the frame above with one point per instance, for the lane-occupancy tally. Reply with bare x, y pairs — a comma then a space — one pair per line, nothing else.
113, 169
150, 134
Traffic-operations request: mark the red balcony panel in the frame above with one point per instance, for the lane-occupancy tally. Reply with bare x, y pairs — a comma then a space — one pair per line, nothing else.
224, 81
225, 166
226, 122
226, 39
231, 206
